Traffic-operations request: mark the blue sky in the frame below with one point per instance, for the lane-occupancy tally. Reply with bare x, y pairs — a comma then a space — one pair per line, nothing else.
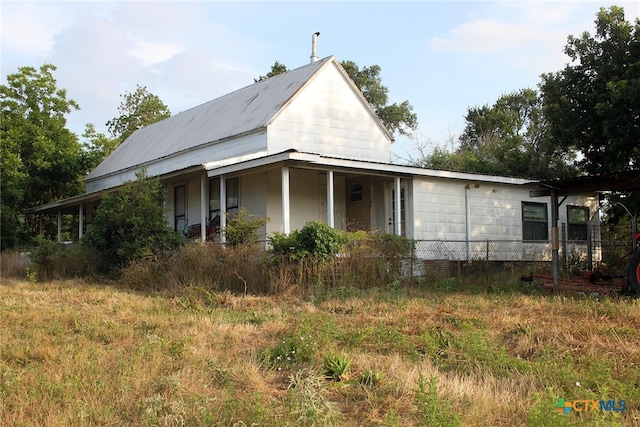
441, 56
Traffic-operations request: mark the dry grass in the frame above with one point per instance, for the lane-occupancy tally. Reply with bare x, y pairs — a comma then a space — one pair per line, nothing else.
77, 354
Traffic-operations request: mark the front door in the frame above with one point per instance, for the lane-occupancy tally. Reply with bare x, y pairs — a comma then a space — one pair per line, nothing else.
391, 209
358, 203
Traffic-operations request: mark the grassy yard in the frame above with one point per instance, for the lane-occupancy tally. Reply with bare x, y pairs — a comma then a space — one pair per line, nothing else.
445, 354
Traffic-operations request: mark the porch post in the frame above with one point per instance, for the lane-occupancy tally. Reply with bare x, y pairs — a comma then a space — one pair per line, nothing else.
330, 215
80, 221
203, 207
223, 208
555, 244
398, 204
59, 225
286, 214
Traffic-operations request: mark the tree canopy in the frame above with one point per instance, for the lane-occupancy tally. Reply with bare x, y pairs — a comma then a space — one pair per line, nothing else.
397, 118
97, 146
510, 138
276, 68
507, 138
593, 104
42, 161
138, 109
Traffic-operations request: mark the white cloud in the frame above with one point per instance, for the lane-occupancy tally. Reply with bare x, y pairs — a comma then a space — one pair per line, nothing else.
482, 36
29, 29
149, 53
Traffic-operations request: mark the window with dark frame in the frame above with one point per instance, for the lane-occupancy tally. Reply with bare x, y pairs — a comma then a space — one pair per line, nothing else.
357, 192
577, 220
180, 208
535, 224
232, 198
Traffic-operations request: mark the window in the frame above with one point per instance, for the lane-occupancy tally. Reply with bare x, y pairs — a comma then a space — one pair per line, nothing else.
357, 192
534, 221
577, 218
232, 199
180, 208
232, 194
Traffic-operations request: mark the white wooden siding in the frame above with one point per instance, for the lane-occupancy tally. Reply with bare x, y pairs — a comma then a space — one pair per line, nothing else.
495, 210
328, 118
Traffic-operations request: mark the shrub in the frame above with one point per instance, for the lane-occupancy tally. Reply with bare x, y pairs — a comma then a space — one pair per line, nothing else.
285, 244
243, 228
314, 239
130, 224
320, 239
52, 260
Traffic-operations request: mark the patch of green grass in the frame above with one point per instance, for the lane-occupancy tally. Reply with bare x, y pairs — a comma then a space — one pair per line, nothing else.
293, 351
433, 410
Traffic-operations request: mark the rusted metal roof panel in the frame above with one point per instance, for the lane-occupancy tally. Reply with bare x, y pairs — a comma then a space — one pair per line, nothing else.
240, 112
628, 180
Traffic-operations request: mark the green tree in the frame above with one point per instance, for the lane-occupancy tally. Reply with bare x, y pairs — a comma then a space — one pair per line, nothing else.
276, 68
593, 104
130, 224
97, 146
41, 158
398, 118
138, 109
511, 138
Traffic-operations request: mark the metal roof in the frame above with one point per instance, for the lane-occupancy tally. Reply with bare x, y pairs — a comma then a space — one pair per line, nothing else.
614, 181
236, 113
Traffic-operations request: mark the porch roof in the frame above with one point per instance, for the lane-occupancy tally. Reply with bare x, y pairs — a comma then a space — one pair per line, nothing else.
311, 160
295, 159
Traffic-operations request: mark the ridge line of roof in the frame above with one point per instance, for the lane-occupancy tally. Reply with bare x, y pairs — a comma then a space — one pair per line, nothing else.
259, 82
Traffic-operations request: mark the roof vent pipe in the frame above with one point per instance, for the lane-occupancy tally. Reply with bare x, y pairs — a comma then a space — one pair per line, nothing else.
314, 47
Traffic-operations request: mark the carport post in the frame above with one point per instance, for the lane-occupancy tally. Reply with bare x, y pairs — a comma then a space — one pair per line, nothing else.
80, 221
555, 241
59, 225
203, 207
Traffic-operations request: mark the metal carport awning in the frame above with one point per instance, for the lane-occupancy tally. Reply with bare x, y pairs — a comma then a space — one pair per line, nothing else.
626, 181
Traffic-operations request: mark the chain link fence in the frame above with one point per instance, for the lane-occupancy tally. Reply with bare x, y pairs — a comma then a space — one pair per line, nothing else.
451, 257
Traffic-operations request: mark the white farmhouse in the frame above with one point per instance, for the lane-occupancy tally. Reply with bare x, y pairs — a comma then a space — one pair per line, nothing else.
304, 146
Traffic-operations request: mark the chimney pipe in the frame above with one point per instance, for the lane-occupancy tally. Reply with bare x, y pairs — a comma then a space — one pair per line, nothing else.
314, 47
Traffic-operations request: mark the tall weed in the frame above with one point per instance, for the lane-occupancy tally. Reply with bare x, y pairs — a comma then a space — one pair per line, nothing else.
433, 410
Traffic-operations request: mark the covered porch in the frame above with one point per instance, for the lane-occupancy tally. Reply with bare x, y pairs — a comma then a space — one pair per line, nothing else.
289, 188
